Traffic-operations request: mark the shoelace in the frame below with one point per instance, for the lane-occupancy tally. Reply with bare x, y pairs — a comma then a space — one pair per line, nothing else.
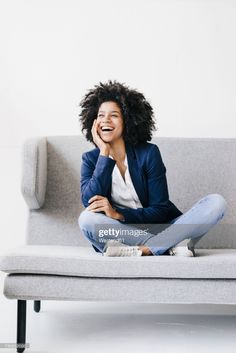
126, 251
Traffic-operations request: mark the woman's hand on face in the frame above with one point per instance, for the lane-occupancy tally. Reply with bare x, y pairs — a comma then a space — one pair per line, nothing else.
100, 203
103, 146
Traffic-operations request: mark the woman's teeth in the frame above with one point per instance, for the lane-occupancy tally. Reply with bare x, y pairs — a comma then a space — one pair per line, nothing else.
107, 131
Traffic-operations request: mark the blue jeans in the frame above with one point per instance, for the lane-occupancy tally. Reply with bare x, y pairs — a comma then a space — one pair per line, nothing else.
192, 224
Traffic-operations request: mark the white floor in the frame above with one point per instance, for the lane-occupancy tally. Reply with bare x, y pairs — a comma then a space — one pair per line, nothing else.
119, 327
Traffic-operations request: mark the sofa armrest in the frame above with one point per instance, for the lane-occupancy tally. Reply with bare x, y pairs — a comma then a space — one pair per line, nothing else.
34, 171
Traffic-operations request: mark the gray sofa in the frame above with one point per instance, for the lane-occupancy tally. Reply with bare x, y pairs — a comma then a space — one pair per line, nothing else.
58, 263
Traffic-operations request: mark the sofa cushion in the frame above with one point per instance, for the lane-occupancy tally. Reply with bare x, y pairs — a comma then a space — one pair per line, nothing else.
145, 290
85, 262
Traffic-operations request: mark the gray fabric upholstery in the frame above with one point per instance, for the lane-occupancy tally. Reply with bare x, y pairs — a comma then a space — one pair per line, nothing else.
34, 171
185, 291
57, 261
85, 262
197, 167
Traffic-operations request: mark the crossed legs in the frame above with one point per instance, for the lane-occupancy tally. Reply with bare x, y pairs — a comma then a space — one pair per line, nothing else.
193, 224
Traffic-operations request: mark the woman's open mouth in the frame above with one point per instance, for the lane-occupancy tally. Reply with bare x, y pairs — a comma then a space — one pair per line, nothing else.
107, 130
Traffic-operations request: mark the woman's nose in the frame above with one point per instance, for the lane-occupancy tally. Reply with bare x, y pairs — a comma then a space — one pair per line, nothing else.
106, 120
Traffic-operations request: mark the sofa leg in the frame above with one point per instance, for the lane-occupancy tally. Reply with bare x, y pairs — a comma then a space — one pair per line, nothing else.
37, 305
21, 325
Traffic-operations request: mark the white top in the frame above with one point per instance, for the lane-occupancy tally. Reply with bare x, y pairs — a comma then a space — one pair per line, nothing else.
123, 193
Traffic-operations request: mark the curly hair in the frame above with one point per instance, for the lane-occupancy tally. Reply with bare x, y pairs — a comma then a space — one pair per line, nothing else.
137, 113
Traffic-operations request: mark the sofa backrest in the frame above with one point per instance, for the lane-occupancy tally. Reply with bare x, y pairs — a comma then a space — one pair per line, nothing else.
195, 167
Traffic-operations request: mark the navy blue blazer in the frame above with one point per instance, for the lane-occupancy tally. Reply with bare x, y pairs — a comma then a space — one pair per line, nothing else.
148, 174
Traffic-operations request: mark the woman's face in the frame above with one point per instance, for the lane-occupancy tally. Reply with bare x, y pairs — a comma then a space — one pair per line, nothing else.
110, 116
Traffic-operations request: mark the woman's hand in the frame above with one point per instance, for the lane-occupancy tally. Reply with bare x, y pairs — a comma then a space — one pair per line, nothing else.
103, 146
100, 203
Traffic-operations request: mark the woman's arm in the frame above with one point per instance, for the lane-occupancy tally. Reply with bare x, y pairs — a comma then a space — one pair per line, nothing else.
95, 181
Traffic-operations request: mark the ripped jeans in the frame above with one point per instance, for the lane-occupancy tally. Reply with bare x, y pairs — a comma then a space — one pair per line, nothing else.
192, 224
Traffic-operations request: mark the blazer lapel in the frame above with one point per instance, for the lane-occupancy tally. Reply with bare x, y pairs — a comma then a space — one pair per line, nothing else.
136, 174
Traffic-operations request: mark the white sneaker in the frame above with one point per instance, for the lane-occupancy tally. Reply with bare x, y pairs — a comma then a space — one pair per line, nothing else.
122, 251
181, 251
113, 242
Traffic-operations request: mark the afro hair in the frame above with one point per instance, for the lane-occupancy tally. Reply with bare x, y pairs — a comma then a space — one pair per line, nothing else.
137, 113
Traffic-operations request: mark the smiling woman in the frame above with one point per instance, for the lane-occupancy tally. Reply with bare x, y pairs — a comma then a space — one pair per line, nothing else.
111, 110
123, 180
110, 125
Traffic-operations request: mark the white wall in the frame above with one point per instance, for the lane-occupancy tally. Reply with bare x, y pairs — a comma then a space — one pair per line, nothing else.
181, 54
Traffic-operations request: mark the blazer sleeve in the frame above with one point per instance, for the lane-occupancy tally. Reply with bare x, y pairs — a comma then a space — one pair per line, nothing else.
95, 181
158, 196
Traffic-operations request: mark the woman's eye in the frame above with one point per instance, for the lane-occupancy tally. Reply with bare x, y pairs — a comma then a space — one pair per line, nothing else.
101, 115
